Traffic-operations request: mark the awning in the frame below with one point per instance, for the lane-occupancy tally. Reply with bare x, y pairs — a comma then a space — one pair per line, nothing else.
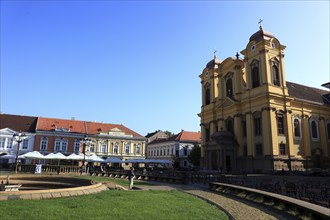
57, 156
113, 160
32, 155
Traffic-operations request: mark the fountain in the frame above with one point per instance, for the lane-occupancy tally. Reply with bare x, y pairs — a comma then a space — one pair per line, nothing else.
29, 186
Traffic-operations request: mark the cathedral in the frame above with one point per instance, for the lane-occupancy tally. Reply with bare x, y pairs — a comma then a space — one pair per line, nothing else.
252, 119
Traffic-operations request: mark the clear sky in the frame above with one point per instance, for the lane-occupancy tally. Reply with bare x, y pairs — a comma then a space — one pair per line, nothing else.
138, 63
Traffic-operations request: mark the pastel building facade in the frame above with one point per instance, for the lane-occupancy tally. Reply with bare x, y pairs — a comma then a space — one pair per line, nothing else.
176, 148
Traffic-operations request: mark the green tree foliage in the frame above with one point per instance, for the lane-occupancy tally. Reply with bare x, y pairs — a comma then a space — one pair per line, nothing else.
168, 133
195, 155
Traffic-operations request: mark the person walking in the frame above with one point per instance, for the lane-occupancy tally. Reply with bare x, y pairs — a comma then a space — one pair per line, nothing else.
130, 176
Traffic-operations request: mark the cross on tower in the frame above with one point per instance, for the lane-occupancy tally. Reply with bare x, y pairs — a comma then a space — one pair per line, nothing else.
215, 54
260, 21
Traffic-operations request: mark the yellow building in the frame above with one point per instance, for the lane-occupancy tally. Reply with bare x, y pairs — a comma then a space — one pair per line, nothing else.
253, 119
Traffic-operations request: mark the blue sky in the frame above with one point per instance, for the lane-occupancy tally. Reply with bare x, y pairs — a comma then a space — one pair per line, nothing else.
138, 63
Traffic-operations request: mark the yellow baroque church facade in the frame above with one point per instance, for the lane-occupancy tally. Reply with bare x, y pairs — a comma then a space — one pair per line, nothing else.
252, 119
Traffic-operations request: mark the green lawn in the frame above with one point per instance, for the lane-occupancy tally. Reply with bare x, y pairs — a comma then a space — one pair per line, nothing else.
114, 204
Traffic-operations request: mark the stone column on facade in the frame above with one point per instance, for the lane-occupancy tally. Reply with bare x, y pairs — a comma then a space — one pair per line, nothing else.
323, 137
289, 135
306, 136
266, 132
238, 132
249, 135
212, 127
273, 133
122, 150
143, 150
220, 124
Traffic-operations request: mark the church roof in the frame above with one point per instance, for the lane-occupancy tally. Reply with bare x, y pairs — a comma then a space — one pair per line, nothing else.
308, 93
213, 64
261, 35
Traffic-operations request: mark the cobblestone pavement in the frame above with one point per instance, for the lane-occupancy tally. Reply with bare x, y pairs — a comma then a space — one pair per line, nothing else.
237, 208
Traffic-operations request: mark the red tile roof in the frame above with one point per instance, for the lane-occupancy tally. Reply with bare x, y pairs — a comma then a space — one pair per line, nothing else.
18, 122
75, 126
50, 124
96, 128
188, 136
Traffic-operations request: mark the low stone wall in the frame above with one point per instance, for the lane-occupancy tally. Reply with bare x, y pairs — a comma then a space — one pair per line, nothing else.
76, 190
300, 207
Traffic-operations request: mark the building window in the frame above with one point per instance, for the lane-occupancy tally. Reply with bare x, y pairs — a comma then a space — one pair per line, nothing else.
185, 151
296, 126
282, 149
207, 94
10, 143
276, 75
138, 149
259, 150
127, 146
103, 147
314, 130
257, 124
64, 146
61, 145
244, 128
229, 87
25, 144
2, 142
280, 124
115, 148
76, 146
328, 130
229, 125
255, 77
43, 144
207, 134
91, 147
57, 146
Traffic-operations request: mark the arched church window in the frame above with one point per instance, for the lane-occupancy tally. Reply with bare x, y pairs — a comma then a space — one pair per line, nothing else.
229, 87
255, 77
207, 94
328, 130
257, 123
296, 125
314, 130
276, 75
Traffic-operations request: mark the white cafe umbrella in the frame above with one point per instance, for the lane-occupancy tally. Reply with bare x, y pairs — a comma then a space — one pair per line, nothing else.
74, 156
58, 156
93, 158
8, 156
33, 155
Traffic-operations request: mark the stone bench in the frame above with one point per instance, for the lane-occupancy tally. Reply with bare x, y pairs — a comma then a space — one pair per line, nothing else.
315, 211
9, 187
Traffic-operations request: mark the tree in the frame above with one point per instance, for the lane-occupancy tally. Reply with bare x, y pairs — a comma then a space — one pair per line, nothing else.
168, 133
195, 155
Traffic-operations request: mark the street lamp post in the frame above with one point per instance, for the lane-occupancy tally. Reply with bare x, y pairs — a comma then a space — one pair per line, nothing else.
86, 141
19, 137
